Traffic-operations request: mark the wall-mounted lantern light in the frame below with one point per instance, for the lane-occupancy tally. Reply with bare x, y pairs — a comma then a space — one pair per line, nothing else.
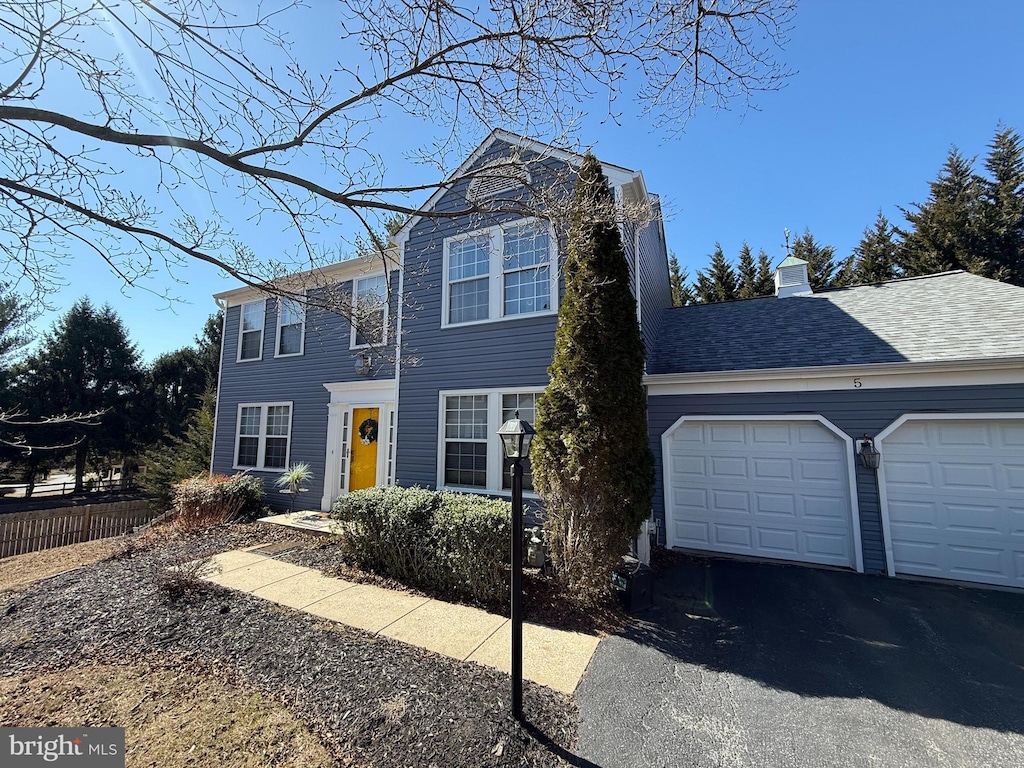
869, 455
363, 363
516, 435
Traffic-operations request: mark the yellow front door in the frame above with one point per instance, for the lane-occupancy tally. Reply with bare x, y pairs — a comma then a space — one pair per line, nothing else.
362, 471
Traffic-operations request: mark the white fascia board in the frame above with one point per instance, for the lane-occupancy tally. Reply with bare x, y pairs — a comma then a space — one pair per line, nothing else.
332, 273
949, 373
617, 175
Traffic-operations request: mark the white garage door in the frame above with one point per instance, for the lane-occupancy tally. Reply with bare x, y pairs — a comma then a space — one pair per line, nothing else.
954, 490
775, 489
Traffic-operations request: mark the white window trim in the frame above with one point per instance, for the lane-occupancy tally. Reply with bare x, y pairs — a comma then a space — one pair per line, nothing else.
262, 442
495, 457
241, 331
496, 275
302, 335
355, 292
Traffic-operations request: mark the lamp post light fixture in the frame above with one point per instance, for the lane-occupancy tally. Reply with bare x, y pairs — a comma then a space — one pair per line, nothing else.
516, 435
869, 455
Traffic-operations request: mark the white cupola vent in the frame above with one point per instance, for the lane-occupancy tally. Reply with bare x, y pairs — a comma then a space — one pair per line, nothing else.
497, 180
791, 278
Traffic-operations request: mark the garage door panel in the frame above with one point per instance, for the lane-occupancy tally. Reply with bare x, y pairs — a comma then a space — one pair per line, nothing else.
967, 477
961, 525
825, 546
738, 536
728, 467
776, 504
912, 473
772, 488
772, 469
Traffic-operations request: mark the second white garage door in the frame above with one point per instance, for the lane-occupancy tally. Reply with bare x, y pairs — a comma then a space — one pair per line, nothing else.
775, 489
954, 495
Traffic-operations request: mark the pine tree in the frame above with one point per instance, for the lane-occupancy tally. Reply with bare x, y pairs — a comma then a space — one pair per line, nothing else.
592, 465
180, 457
1003, 207
821, 264
945, 230
86, 363
676, 280
747, 273
874, 258
764, 285
719, 283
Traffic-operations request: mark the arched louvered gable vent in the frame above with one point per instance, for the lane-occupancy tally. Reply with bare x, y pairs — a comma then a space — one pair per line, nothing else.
491, 182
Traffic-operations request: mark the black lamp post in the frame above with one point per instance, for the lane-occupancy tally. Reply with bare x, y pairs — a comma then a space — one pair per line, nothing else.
516, 435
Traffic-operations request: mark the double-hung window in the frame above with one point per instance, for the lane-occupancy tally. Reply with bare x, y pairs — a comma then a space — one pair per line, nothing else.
250, 338
291, 324
369, 312
263, 437
470, 449
499, 273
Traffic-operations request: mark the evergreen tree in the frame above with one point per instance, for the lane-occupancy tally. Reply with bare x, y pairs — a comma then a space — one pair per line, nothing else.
1003, 207
874, 259
208, 348
945, 230
676, 280
592, 464
764, 285
86, 364
719, 283
179, 458
821, 264
747, 273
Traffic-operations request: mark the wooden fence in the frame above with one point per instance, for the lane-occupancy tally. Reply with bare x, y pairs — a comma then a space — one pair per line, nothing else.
22, 532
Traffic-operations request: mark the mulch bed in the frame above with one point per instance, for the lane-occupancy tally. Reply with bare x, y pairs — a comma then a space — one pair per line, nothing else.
370, 700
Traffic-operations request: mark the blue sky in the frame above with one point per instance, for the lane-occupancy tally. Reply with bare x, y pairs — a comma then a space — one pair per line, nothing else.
881, 91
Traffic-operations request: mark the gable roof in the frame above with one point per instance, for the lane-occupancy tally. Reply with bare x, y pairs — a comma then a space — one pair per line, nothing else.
937, 318
617, 175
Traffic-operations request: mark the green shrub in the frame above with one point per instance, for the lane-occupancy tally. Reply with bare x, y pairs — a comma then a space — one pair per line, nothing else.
450, 544
206, 500
472, 537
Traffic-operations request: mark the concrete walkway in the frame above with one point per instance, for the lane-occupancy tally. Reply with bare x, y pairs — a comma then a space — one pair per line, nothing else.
551, 657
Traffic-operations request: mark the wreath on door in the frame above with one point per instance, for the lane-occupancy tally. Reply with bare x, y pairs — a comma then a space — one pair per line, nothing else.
368, 431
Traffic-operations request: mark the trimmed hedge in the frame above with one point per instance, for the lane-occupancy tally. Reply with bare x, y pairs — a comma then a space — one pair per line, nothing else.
451, 544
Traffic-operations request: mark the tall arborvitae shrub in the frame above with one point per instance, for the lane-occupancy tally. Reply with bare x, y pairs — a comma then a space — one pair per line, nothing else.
591, 462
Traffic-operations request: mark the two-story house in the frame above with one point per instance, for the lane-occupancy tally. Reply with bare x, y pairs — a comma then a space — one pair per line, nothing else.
878, 428
465, 338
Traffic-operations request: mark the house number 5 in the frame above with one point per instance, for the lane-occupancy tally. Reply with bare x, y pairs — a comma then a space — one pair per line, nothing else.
857, 383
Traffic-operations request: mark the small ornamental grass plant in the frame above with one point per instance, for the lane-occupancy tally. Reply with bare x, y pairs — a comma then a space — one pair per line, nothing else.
449, 544
206, 500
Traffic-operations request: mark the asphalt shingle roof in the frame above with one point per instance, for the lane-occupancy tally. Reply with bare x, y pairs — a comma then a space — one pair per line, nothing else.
949, 316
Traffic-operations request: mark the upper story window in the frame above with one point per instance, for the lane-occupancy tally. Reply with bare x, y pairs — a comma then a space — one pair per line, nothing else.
499, 273
250, 341
291, 325
369, 312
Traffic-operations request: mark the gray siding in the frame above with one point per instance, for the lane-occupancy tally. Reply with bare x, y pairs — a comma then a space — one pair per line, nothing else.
655, 290
506, 353
326, 359
856, 413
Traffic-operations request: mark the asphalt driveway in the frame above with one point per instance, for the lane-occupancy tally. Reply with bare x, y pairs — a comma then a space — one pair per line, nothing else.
745, 664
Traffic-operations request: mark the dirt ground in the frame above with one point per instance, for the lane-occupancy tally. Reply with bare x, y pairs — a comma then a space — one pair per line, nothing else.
172, 717
21, 570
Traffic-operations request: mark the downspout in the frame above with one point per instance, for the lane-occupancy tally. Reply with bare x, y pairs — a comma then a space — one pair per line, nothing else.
398, 363
223, 306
